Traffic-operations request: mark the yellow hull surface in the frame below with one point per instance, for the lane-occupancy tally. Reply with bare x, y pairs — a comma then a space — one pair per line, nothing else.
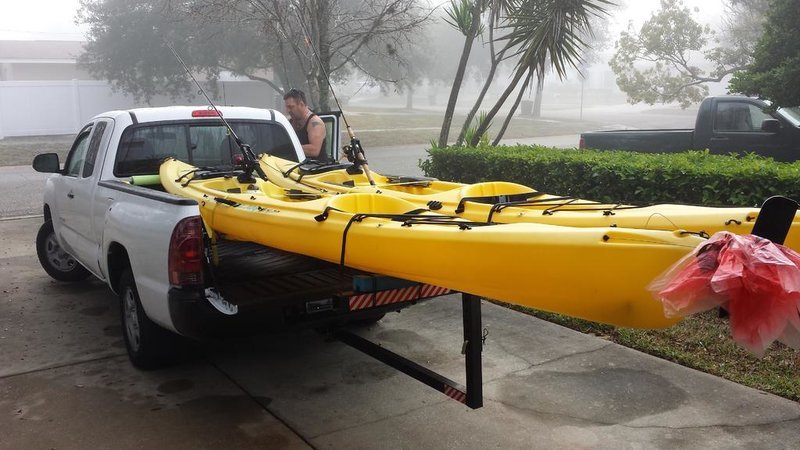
598, 274
504, 202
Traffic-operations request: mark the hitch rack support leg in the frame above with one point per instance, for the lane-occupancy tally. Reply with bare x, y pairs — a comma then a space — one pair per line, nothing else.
472, 394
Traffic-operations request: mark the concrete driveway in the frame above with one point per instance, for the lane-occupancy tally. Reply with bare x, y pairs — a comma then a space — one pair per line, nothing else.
65, 382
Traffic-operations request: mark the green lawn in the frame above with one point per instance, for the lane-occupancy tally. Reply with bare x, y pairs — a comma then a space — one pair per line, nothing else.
375, 128
19, 151
383, 127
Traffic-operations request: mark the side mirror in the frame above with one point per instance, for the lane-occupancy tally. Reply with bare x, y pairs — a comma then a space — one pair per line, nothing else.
46, 163
771, 125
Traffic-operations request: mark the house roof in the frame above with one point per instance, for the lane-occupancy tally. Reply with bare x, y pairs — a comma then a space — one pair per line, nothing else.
40, 51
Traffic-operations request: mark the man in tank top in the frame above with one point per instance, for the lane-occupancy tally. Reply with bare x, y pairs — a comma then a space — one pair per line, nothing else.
309, 127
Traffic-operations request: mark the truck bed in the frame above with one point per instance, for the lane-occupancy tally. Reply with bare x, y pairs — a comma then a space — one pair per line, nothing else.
249, 274
276, 290
650, 141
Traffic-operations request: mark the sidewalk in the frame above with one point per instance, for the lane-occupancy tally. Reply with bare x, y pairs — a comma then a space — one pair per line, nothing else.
65, 383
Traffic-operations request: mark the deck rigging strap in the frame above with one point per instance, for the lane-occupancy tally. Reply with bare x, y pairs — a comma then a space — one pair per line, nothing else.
180, 178
559, 202
408, 219
298, 180
291, 169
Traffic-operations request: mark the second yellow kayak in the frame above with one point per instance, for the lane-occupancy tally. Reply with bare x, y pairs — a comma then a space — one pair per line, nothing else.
504, 202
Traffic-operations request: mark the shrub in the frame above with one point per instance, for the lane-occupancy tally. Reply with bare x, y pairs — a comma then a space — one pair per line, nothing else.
694, 177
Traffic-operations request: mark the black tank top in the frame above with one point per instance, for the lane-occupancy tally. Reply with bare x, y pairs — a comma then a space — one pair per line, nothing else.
302, 135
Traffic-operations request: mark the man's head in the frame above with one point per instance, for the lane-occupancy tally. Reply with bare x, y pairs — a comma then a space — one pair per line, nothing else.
295, 103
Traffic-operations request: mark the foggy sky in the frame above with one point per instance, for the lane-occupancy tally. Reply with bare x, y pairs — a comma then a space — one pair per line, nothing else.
54, 19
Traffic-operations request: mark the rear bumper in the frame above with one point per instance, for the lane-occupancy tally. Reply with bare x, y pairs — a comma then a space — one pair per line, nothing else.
193, 316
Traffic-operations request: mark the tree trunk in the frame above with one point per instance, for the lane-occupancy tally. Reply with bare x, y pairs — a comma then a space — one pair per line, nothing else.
537, 102
459, 77
511, 113
409, 96
482, 127
495, 62
284, 73
324, 45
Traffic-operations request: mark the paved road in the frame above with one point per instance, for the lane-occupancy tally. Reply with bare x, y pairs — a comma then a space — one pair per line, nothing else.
21, 189
21, 186
65, 383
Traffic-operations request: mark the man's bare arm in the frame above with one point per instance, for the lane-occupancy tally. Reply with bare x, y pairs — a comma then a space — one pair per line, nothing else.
316, 134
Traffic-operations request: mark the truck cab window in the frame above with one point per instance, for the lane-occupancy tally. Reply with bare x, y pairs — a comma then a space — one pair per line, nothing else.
91, 152
757, 116
210, 146
330, 139
143, 149
202, 144
77, 154
269, 138
214, 146
738, 116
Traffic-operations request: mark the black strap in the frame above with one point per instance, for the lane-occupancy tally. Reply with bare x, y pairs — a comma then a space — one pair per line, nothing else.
495, 199
407, 219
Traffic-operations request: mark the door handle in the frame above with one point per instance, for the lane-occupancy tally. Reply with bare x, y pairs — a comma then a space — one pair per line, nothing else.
719, 139
70, 194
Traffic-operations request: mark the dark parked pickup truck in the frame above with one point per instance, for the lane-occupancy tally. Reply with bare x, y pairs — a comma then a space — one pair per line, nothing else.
725, 124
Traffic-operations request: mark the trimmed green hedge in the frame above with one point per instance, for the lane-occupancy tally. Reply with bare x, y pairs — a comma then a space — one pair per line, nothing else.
694, 177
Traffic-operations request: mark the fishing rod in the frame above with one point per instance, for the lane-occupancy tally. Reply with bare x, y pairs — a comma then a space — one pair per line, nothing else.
354, 151
250, 162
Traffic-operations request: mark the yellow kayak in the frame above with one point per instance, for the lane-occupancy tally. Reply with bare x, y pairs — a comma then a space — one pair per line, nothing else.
504, 202
598, 274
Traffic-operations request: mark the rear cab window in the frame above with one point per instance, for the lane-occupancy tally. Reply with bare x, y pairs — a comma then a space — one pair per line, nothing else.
200, 143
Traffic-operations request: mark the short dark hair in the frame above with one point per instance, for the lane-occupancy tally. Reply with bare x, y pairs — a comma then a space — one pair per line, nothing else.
296, 94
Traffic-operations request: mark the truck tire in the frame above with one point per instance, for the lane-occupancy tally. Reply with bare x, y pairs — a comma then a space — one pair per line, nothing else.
54, 260
149, 346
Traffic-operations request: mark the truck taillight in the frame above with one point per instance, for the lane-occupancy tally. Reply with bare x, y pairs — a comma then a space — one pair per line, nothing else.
186, 253
581, 143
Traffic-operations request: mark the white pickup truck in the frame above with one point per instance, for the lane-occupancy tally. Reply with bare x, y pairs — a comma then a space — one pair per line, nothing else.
151, 247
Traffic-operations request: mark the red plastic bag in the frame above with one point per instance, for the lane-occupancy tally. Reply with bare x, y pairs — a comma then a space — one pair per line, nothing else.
756, 280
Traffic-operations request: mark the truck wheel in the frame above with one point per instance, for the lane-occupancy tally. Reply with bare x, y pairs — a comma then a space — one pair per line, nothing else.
54, 260
149, 346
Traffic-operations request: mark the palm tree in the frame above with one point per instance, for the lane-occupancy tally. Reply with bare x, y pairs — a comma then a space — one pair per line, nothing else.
497, 8
544, 33
465, 16
511, 112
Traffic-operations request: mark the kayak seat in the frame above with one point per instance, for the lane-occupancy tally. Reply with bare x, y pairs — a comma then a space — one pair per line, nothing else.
339, 177
493, 192
494, 189
370, 203
775, 218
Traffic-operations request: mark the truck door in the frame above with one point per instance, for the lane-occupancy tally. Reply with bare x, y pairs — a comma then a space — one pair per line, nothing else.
77, 194
737, 129
332, 133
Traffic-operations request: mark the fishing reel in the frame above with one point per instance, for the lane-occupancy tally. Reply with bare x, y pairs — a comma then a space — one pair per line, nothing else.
354, 153
248, 163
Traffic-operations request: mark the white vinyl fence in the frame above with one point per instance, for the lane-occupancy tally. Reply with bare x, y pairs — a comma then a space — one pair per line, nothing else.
40, 108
